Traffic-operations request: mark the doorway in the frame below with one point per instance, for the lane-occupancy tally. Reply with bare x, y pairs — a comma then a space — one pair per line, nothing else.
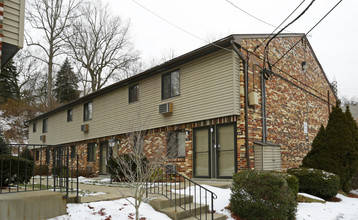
215, 151
103, 157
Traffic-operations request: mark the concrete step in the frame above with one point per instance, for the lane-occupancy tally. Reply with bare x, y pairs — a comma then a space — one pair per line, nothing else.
159, 202
208, 216
182, 214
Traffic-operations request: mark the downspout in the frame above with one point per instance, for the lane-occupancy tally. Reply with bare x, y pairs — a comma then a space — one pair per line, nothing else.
246, 91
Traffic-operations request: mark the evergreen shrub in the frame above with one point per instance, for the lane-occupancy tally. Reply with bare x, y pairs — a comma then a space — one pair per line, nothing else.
316, 182
9, 170
115, 170
41, 170
258, 194
26, 154
292, 182
335, 148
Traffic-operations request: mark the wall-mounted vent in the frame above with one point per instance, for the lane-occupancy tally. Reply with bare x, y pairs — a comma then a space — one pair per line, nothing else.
267, 156
85, 128
170, 168
43, 138
166, 109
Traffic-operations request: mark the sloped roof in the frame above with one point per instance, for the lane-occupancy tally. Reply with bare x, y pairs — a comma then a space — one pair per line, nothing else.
209, 48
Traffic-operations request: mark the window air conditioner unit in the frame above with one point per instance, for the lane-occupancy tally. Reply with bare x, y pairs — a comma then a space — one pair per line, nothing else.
43, 138
166, 109
170, 168
85, 128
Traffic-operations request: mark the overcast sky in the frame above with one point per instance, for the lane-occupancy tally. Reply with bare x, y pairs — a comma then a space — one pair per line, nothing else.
334, 40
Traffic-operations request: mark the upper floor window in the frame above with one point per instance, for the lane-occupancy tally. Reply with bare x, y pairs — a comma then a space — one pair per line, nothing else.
171, 84
87, 111
133, 93
34, 127
69, 114
44, 125
176, 144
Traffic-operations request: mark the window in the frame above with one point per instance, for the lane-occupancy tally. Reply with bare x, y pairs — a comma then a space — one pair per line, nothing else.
47, 155
91, 152
87, 111
69, 114
34, 126
73, 151
170, 84
133, 93
37, 155
176, 144
44, 125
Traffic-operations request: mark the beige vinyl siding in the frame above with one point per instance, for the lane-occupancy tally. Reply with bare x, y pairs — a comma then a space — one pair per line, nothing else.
206, 92
236, 87
13, 23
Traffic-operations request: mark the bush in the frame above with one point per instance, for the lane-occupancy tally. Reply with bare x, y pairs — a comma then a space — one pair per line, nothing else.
335, 147
115, 170
41, 170
26, 154
9, 171
316, 182
258, 194
292, 182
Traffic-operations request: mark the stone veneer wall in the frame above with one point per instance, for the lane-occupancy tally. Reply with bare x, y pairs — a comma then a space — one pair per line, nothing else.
293, 96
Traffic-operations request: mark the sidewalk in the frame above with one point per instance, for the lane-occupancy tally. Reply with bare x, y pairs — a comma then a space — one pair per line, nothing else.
112, 192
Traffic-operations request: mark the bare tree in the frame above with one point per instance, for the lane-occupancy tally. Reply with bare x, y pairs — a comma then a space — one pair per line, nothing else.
100, 42
51, 18
166, 55
32, 81
136, 168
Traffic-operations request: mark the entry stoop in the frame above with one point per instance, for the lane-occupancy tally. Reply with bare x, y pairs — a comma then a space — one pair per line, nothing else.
164, 205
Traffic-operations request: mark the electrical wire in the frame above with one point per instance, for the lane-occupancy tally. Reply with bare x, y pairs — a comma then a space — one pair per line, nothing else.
176, 26
308, 32
268, 43
253, 16
257, 47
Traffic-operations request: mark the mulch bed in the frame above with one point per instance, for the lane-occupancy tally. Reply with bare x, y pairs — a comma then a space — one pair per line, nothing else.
334, 199
352, 195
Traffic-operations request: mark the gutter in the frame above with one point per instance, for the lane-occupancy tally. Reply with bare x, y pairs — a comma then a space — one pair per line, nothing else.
246, 91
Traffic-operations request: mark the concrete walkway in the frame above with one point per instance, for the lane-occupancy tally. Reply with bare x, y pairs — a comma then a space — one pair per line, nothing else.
118, 192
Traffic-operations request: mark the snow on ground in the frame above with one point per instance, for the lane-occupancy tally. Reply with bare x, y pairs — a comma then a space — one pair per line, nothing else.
345, 209
355, 192
222, 201
110, 210
310, 196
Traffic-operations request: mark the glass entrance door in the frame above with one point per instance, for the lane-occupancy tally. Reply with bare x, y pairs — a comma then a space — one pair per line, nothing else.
103, 157
225, 150
214, 151
201, 161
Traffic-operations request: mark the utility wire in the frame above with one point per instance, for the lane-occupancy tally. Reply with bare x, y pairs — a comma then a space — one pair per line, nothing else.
308, 32
176, 26
257, 47
266, 47
251, 15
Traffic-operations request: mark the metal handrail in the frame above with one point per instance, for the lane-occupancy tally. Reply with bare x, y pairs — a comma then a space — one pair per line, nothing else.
177, 176
60, 168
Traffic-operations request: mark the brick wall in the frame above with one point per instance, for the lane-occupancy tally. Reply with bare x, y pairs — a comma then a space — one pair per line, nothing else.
293, 96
